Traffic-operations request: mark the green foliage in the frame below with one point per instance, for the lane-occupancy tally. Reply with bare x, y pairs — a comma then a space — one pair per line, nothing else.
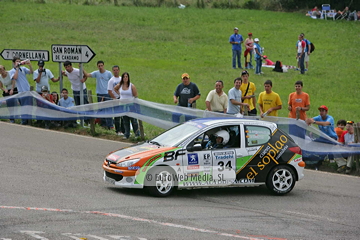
251, 4
200, 3
157, 45
223, 4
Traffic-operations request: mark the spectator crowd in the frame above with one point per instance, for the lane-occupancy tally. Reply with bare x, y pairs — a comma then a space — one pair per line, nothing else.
242, 98
326, 12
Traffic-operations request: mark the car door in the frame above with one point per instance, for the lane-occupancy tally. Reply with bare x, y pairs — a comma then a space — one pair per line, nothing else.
197, 161
224, 165
251, 166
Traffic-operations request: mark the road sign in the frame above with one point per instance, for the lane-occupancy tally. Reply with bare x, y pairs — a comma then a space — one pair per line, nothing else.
33, 55
72, 53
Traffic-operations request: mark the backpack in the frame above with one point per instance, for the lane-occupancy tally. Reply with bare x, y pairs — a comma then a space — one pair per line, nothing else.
312, 47
278, 67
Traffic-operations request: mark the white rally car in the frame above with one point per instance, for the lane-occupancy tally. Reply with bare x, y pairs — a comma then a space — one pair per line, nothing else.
209, 152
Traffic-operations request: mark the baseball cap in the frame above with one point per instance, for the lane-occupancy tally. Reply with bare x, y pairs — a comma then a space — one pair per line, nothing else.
41, 63
264, 56
256, 40
244, 72
249, 34
350, 122
185, 75
44, 89
323, 107
235, 28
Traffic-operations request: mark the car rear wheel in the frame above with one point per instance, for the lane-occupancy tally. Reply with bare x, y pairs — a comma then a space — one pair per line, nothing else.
162, 181
281, 180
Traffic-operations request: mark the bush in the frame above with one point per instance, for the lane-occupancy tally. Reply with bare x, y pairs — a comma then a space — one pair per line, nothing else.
250, 4
226, 4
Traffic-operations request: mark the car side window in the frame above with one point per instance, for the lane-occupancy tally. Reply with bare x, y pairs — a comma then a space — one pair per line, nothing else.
234, 141
256, 135
231, 138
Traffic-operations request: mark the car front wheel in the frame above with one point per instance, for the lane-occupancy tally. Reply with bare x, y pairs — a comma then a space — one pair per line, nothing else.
281, 180
162, 181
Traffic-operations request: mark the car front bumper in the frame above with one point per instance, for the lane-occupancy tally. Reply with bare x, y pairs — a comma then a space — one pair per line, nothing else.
125, 182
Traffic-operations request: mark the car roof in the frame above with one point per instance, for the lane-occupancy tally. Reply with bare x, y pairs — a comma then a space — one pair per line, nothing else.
212, 121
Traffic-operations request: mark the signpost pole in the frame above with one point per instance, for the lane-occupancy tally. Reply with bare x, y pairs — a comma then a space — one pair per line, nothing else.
61, 77
81, 90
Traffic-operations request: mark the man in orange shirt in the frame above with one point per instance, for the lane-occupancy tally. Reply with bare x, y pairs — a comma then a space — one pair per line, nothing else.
299, 102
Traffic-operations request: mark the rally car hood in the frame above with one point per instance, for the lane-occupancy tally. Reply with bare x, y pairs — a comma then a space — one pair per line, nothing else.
144, 150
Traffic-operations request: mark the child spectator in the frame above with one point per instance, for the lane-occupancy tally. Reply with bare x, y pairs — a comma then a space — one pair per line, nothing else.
258, 56
55, 96
67, 102
347, 138
340, 125
268, 61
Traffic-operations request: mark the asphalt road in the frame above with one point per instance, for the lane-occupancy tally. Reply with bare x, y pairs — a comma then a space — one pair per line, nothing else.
51, 187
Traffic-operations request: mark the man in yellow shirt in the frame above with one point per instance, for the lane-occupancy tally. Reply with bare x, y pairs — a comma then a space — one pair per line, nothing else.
269, 101
248, 93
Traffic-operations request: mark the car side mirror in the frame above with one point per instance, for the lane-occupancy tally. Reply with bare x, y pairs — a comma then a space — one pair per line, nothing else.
196, 147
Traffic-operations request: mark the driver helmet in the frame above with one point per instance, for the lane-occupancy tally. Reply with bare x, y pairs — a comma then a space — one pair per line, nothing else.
224, 135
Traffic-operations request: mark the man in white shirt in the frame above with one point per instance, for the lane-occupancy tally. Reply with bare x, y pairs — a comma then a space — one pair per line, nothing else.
217, 100
74, 77
119, 125
42, 75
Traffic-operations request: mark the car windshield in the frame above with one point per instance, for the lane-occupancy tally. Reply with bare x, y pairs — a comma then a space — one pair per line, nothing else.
176, 135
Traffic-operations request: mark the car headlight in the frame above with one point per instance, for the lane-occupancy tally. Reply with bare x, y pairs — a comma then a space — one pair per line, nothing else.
127, 163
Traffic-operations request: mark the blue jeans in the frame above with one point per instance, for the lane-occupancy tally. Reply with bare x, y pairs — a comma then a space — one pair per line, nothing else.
77, 97
11, 103
119, 124
236, 54
258, 65
250, 63
134, 124
301, 63
105, 122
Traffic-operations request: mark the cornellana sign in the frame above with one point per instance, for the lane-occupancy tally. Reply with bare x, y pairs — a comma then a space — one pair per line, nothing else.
33, 55
72, 53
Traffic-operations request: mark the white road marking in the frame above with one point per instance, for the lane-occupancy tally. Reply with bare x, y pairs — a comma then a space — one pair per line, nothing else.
312, 216
129, 218
34, 234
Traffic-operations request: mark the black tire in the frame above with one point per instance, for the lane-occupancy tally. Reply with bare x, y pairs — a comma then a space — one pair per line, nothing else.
162, 182
281, 180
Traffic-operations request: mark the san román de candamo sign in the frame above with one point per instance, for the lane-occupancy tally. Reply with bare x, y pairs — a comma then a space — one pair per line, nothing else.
72, 53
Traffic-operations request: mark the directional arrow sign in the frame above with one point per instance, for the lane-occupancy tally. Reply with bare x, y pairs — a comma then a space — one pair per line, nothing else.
72, 53
33, 55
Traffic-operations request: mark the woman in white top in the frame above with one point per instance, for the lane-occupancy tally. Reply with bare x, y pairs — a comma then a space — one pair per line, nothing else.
127, 90
9, 88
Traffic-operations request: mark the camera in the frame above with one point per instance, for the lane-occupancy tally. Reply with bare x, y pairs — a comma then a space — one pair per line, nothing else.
42, 70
